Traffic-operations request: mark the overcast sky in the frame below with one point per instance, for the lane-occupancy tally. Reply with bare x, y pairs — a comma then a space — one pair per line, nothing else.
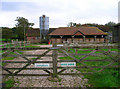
60, 12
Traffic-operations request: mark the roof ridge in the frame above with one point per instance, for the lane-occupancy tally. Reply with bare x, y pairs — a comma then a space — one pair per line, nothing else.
78, 31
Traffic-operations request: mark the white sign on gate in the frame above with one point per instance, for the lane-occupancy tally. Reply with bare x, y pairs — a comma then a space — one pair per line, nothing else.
68, 64
42, 65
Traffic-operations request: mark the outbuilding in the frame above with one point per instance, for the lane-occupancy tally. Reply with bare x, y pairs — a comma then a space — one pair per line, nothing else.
78, 34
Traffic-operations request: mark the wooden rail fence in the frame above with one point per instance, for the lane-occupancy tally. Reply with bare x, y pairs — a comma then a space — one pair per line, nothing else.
15, 44
58, 51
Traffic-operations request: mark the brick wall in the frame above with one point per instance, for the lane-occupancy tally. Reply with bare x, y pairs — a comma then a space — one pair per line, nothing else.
91, 40
87, 40
80, 40
101, 40
33, 39
69, 39
97, 40
59, 40
52, 40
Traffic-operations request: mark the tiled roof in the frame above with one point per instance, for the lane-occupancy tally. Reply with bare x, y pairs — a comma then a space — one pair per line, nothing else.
51, 30
35, 32
76, 30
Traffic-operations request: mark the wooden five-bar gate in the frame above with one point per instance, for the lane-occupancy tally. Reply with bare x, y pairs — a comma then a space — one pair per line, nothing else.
57, 51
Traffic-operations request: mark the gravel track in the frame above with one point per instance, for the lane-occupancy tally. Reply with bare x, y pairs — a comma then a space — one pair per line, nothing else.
42, 81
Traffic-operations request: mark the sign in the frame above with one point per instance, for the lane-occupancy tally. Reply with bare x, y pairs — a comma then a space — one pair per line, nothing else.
42, 65
68, 64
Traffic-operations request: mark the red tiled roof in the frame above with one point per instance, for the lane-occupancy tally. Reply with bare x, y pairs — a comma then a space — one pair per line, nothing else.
78, 31
35, 32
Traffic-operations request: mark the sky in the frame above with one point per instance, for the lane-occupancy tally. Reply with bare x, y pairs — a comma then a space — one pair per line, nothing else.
60, 12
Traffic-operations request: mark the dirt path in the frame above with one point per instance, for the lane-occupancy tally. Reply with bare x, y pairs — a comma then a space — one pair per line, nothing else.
42, 81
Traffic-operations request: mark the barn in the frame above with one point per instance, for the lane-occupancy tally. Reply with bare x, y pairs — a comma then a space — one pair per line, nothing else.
79, 34
33, 35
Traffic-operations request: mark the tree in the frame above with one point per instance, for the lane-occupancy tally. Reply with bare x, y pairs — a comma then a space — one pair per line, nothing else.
78, 25
70, 24
110, 25
6, 33
22, 26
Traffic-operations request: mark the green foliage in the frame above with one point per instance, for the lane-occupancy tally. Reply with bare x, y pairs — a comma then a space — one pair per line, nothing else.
110, 23
71, 24
22, 26
20, 33
6, 34
22, 22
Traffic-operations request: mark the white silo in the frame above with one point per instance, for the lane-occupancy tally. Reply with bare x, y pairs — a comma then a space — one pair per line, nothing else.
44, 26
119, 12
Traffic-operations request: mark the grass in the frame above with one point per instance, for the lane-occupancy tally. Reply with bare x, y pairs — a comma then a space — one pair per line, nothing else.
9, 83
27, 46
19, 52
6, 58
31, 46
106, 78
33, 58
10, 58
39, 44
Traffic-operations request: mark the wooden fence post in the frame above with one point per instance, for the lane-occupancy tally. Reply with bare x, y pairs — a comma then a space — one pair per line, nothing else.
54, 61
17, 42
4, 45
20, 44
8, 45
12, 43
24, 43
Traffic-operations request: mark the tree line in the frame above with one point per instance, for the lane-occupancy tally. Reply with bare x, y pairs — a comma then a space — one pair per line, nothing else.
106, 28
18, 31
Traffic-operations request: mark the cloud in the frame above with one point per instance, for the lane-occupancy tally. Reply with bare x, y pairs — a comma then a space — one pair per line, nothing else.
60, 12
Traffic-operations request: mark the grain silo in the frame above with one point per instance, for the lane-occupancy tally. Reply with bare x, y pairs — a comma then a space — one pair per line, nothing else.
44, 26
116, 30
119, 12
